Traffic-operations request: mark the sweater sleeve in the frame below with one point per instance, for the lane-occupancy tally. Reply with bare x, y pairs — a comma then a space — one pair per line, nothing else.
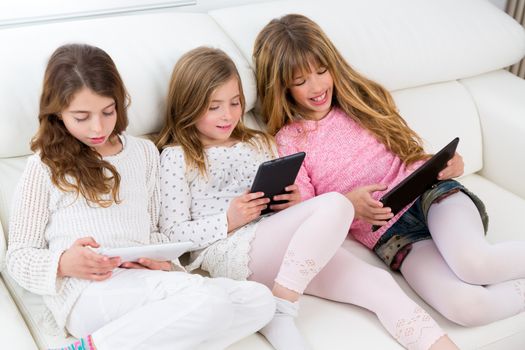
176, 221
29, 260
152, 178
286, 145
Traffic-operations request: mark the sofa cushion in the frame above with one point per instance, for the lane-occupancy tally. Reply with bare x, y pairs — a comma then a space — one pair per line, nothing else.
397, 43
13, 329
3, 247
499, 99
145, 55
438, 113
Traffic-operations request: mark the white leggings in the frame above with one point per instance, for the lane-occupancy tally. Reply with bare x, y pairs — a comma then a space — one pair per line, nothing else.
143, 309
483, 282
300, 248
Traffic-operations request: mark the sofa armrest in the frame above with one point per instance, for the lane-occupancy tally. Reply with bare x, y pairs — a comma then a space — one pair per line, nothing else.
14, 333
3, 247
499, 97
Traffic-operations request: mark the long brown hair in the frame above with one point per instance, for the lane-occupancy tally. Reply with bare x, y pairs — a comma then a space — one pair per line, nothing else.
293, 43
196, 75
75, 166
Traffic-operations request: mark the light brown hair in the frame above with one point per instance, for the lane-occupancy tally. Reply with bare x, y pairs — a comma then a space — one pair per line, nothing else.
290, 45
75, 166
196, 75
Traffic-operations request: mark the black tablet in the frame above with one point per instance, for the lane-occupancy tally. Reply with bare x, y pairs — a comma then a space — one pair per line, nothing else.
420, 180
274, 175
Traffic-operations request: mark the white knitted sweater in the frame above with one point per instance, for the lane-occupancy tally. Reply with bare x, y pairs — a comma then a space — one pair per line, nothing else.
45, 221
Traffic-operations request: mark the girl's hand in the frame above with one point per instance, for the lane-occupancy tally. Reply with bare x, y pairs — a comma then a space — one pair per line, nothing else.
454, 168
80, 261
245, 208
292, 198
150, 264
367, 208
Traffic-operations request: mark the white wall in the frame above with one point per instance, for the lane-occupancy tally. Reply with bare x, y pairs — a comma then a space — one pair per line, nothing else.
206, 5
24, 12
501, 4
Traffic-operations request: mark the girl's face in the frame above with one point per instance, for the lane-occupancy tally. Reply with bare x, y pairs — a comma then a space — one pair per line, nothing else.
224, 112
91, 118
313, 91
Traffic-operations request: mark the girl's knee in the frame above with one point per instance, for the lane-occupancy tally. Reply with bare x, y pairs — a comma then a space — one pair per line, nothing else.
471, 268
337, 206
255, 299
467, 309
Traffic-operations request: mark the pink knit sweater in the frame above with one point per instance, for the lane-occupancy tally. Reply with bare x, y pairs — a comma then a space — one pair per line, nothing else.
341, 156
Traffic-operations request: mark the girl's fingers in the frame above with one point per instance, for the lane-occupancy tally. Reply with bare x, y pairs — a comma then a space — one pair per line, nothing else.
377, 222
155, 264
251, 196
283, 197
132, 265
102, 262
387, 216
291, 188
374, 188
99, 277
380, 211
283, 206
86, 241
258, 202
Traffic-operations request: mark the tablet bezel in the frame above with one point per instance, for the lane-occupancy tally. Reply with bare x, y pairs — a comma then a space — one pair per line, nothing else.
420, 180
162, 252
275, 175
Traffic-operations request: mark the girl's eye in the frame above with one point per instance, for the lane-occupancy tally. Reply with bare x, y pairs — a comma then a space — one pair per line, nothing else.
80, 117
214, 108
322, 70
236, 103
298, 82
108, 114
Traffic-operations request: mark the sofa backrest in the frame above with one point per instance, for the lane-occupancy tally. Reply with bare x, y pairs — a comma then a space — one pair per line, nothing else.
400, 44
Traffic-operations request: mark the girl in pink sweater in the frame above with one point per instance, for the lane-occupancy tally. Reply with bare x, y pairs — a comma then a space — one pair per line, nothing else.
357, 144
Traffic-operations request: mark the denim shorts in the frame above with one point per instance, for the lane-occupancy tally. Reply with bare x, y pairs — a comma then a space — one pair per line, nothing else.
395, 244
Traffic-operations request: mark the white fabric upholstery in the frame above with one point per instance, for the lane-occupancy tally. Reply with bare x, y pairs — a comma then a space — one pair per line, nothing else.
3, 247
438, 113
499, 98
402, 43
441, 59
13, 332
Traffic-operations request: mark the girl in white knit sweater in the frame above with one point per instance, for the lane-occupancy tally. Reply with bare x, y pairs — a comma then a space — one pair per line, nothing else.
90, 185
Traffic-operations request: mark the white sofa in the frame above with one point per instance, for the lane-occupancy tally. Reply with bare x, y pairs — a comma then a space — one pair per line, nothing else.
442, 59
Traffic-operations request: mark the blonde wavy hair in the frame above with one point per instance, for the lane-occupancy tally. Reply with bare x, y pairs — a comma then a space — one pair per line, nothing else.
293, 43
196, 75
74, 166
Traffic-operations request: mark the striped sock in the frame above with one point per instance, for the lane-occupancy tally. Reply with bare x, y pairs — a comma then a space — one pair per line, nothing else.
85, 343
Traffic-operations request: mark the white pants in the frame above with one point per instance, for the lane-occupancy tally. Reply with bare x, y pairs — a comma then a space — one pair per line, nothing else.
143, 309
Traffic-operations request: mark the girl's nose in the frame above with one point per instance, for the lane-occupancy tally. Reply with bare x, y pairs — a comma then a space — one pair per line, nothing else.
227, 113
96, 124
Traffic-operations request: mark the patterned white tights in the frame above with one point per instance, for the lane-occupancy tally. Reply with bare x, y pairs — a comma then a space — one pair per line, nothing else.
300, 248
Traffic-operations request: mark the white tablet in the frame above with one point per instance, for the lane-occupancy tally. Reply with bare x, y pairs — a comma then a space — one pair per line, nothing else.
162, 252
